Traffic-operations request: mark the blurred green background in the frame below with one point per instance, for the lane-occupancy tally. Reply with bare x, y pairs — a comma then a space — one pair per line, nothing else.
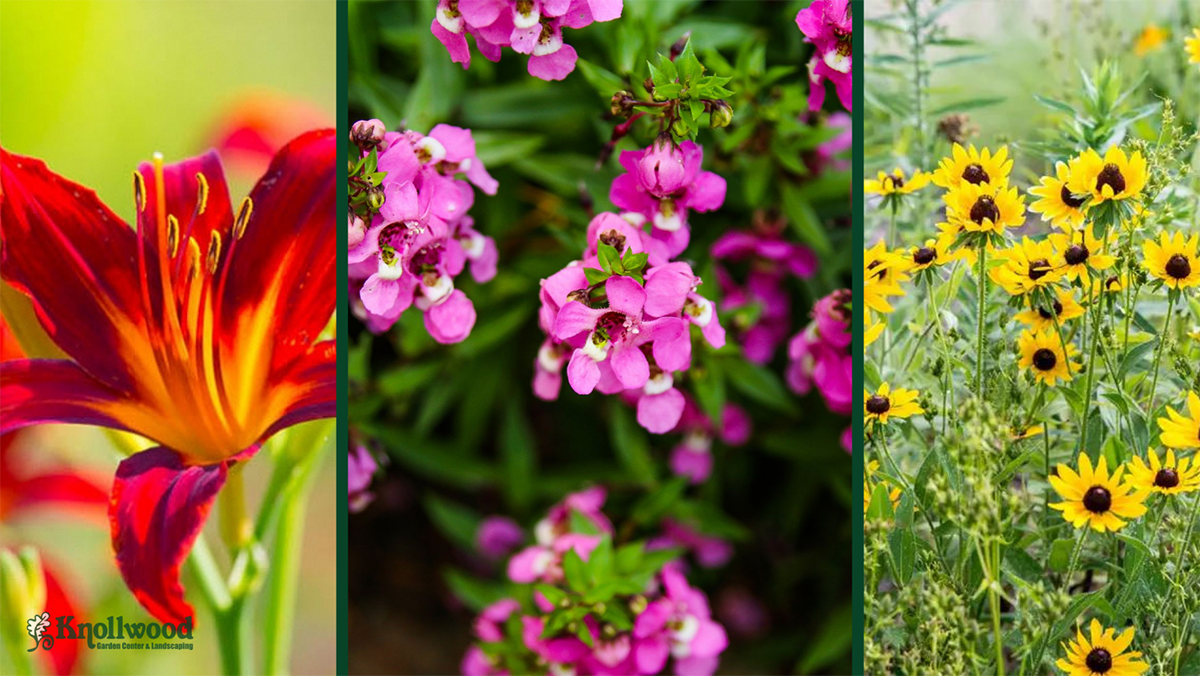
94, 88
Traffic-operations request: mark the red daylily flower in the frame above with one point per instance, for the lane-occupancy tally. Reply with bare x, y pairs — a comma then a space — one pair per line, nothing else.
197, 330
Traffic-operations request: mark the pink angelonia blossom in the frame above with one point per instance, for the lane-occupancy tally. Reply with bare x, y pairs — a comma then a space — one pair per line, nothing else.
488, 629
663, 182
678, 625
532, 27
692, 457
709, 551
820, 354
544, 563
587, 503
827, 25
422, 237
744, 614
497, 536
360, 470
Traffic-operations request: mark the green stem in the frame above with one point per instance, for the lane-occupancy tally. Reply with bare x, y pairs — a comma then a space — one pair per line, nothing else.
1091, 370
235, 637
982, 281
1074, 560
284, 575
1162, 341
892, 222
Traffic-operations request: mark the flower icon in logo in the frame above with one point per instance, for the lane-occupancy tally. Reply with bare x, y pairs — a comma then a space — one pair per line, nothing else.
37, 626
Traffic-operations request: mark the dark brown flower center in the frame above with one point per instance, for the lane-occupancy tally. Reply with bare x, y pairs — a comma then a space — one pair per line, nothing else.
880, 273
985, 208
1076, 254
975, 174
1112, 282
878, 405
1044, 359
1069, 198
1166, 478
925, 255
897, 181
1099, 660
1110, 176
1058, 308
1038, 268
1097, 500
1178, 266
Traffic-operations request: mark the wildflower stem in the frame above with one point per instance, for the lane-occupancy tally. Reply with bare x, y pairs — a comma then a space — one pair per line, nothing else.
1162, 340
982, 281
1091, 371
891, 240
1075, 553
994, 602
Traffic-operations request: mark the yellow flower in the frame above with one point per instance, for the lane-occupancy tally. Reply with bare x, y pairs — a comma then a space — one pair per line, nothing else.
1027, 266
985, 207
1170, 477
935, 252
1057, 204
1173, 260
1042, 353
1151, 38
1093, 498
1192, 46
872, 329
1103, 655
1065, 308
883, 271
969, 166
1081, 251
869, 489
1113, 177
1027, 433
886, 403
891, 184
1179, 431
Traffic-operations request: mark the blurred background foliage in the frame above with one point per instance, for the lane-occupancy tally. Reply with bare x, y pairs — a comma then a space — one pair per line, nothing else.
94, 88
464, 435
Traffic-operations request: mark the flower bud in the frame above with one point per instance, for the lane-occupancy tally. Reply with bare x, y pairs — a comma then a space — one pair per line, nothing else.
679, 128
375, 198
22, 583
722, 115
622, 104
367, 134
357, 229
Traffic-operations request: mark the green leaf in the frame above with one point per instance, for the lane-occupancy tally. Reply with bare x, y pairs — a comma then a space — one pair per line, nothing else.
709, 387
831, 642
553, 594
575, 570
629, 557
600, 563
759, 383
605, 82
518, 455
1060, 554
608, 255
635, 262
595, 276
803, 219
880, 506
633, 449
474, 593
456, 522
653, 505
903, 545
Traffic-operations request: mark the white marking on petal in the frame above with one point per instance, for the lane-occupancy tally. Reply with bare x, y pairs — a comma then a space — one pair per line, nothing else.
659, 383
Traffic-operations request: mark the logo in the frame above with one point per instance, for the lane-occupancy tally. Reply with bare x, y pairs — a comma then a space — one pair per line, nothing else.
112, 634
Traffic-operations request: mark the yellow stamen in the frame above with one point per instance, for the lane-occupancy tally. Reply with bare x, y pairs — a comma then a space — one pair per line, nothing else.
243, 217
139, 191
202, 197
172, 236
214, 251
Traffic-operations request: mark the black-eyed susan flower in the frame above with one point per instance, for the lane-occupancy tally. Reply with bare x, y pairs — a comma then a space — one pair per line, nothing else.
933, 253
1042, 353
1093, 497
1149, 40
985, 207
869, 488
1116, 176
1179, 431
884, 266
1081, 251
969, 166
896, 183
1171, 475
1173, 259
1056, 203
886, 403
1063, 309
1103, 655
1028, 265
1017, 433
1192, 46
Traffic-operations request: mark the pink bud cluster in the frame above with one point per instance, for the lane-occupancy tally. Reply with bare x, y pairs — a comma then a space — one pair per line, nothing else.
624, 328
422, 236
828, 26
763, 300
820, 354
532, 27
692, 457
671, 621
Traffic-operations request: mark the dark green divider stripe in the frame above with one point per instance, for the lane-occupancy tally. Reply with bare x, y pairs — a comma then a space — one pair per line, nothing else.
856, 657
343, 338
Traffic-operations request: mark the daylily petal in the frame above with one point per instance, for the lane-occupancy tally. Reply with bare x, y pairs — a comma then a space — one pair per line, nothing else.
76, 260
158, 508
313, 388
36, 391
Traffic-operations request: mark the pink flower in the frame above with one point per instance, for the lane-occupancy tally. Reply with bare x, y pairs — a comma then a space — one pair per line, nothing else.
497, 536
693, 458
710, 552
664, 181
614, 336
678, 625
827, 25
820, 353
587, 503
360, 469
744, 614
